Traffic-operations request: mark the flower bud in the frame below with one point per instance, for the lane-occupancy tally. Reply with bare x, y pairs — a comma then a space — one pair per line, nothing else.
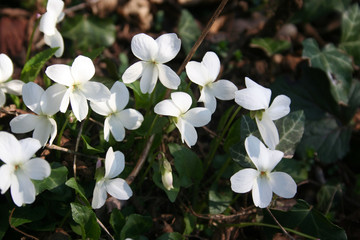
166, 174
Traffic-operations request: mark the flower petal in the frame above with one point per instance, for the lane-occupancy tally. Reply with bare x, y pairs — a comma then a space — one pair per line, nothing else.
198, 116
22, 189
79, 105
119, 96
10, 148
82, 69
223, 89
118, 188
144, 47
99, 195
133, 72
48, 23
167, 107
51, 99
6, 171
197, 73
55, 6
24, 123
6, 67
2, 98
65, 101
114, 163
275, 157
283, 184
55, 40
188, 132
29, 147
95, 91
212, 64
208, 99
101, 108
61, 74
32, 97
253, 98
256, 151
131, 118
37, 168
149, 78
168, 77
279, 108
53, 130
261, 192
42, 130
169, 46
268, 131
106, 129
116, 127
243, 180
14, 87
182, 100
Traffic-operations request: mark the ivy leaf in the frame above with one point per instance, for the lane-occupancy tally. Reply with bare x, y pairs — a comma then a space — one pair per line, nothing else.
34, 65
220, 198
117, 221
335, 64
27, 214
57, 177
136, 225
86, 218
188, 30
78, 189
270, 45
95, 32
88, 149
187, 164
350, 35
298, 170
291, 129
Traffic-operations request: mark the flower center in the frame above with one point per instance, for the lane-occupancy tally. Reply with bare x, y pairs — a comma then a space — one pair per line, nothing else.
257, 114
263, 174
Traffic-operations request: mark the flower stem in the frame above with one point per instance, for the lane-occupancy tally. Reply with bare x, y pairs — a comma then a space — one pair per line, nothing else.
31, 39
18, 230
77, 146
281, 227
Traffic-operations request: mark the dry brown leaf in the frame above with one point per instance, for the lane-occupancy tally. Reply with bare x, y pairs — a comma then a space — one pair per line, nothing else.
138, 13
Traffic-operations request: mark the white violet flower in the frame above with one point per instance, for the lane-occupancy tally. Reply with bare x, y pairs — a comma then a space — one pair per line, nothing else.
20, 168
262, 181
54, 14
116, 187
153, 53
257, 98
185, 120
204, 74
76, 85
13, 86
45, 104
117, 118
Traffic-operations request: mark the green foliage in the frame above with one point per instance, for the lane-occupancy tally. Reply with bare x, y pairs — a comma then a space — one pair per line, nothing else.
94, 32
57, 177
4, 220
335, 64
171, 236
350, 35
172, 193
220, 198
32, 67
78, 189
88, 149
27, 214
270, 45
188, 30
117, 221
135, 226
86, 218
298, 170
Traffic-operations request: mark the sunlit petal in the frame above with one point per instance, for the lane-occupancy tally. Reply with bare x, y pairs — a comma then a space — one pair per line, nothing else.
6, 171
42, 130
95, 91
119, 96
256, 151
182, 100
14, 87
101, 108
197, 73
283, 184
106, 129
79, 105
10, 148
99, 195
279, 108
208, 99
118, 188
169, 46
198, 116
22, 189
24, 123
82, 69
60, 73
51, 99
149, 78
2, 98
29, 147
6, 67
212, 64
131, 118
168, 77
55, 40
253, 98
37, 168
48, 22
144, 47
261, 192
55, 6
243, 180
65, 101
117, 128
32, 97
223, 89
53, 130
133, 72
168, 108
114, 163
188, 132
268, 131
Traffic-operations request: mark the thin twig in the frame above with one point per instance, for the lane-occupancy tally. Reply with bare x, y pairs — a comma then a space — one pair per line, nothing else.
105, 229
202, 36
80, 6
77, 146
141, 160
281, 227
62, 149
18, 230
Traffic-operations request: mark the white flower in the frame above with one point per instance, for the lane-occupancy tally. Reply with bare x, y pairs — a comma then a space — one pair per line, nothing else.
153, 53
116, 187
20, 168
204, 74
79, 88
44, 104
117, 119
6, 70
262, 181
52, 36
185, 120
257, 98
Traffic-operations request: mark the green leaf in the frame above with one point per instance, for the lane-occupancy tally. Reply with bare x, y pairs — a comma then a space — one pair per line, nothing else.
188, 30
326, 197
94, 53
117, 221
308, 220
187, 164
57, 177
86, 218
34, 65
27, 214
88, 149
220, 198
95, 32
350, 34
190, 223
78, 189
335, 64
298, 170
270, 45
291, 129
136, 225
4, 220
171, 236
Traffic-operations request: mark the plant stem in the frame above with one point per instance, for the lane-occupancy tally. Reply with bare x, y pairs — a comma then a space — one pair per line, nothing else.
62, 149
281, 227
202, 36
77, 147
31, 39
18, 230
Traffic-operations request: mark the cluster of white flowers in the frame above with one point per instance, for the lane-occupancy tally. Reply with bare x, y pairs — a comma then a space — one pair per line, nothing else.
73, 86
